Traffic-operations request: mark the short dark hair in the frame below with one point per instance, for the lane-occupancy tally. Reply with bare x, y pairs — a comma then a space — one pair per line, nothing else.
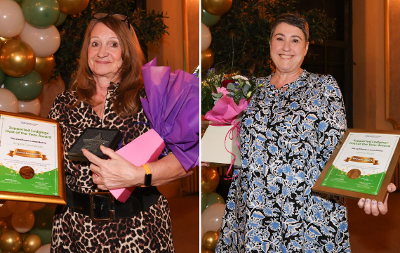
294, 20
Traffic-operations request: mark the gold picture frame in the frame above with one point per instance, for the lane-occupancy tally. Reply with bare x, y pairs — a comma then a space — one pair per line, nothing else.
31, 159
362, 165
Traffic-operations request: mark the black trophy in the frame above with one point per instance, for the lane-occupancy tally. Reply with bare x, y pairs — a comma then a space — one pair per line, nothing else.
91, 139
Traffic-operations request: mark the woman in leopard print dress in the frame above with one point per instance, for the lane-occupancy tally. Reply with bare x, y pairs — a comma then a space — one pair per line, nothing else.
106, 94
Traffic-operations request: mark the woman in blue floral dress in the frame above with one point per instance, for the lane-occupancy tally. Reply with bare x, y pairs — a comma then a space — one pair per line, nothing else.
288, 132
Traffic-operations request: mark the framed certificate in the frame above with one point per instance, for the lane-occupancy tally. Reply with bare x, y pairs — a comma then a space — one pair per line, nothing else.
362, 165
31, 159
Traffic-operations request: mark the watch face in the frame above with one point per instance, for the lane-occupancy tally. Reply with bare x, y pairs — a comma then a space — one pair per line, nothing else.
147, 180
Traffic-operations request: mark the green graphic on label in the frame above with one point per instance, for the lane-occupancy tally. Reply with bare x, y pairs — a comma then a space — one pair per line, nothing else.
353, 181
27, 181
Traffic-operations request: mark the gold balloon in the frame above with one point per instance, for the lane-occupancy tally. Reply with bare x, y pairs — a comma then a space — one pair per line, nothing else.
209, 240
72, 7
204, 250
10, 241
16, 58
209, 179
207, 59
45, 66
216, 7
31, 243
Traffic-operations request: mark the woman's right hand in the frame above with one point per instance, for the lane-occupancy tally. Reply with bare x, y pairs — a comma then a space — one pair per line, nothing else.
115, 172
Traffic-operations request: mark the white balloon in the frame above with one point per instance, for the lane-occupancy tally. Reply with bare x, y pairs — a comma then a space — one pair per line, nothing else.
211, 217
44, 42
8, 101
12, 19
205, 37
43, 249
31, 106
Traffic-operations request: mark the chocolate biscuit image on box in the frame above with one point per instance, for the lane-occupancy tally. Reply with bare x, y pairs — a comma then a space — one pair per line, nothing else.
354, 173
26, 172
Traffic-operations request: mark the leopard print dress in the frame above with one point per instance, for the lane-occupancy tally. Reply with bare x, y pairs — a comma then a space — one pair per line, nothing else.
148, 231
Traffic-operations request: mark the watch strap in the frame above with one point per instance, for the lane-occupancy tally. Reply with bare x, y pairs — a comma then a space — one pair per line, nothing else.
147, 176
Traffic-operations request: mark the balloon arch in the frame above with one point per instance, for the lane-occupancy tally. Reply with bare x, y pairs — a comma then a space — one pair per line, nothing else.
29, 39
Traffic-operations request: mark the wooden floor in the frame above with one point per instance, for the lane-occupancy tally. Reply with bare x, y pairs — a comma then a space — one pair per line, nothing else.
370, 234
185, 223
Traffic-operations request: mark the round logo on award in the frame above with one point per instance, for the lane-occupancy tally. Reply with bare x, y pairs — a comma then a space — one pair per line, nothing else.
26, 172
354, 173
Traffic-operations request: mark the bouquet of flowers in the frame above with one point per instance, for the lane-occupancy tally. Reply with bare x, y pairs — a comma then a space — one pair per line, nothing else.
224, 97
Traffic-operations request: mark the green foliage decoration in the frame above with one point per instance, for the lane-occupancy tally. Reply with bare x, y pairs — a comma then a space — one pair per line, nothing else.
240, 40
149, 27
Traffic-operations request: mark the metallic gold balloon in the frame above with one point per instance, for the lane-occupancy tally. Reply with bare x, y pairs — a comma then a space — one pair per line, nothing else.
45, 66
216, 7
72, 7
16, 58
209, 179
10, 241
204, 250
31, 243
4, 40
207, 59
209, 240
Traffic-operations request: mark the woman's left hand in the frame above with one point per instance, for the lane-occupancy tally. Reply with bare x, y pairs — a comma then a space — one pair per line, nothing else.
115, 172
374, 207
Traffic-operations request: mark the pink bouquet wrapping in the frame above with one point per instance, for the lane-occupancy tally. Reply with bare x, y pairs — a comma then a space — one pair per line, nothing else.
172, 107
220, 143
226, 110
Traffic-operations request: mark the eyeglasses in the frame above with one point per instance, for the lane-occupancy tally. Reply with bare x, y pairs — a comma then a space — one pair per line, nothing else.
120, 17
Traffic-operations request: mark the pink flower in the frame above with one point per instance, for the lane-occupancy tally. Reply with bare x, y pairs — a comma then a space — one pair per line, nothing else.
222, 90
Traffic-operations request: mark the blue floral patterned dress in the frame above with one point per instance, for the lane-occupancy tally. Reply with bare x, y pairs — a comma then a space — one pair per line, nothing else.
287, 136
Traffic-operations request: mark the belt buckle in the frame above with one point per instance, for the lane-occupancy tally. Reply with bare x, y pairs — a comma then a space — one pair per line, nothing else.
100, 201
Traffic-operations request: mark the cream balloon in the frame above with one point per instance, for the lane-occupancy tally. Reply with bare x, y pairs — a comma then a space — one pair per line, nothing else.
8, 101
211, 217
44, 42
12, 19
43, 249
205, 37
31, 106
17, 206
4, 211
23, 222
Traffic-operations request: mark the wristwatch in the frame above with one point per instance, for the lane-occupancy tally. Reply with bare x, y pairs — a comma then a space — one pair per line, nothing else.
147, 176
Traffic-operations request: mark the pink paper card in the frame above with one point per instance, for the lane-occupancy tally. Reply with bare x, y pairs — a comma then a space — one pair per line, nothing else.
146, 148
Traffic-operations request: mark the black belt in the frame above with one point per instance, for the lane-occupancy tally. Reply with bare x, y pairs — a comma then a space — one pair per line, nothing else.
101, 206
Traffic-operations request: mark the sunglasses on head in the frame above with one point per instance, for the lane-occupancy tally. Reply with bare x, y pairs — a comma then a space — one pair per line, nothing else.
120, 17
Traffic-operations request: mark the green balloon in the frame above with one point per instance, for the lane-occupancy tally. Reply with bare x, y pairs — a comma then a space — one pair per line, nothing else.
2, 77
43, 224
44, 234
61, 19
44, 218
18, 1
26, 87
40, 13
209, 19
213, 198
203, 201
